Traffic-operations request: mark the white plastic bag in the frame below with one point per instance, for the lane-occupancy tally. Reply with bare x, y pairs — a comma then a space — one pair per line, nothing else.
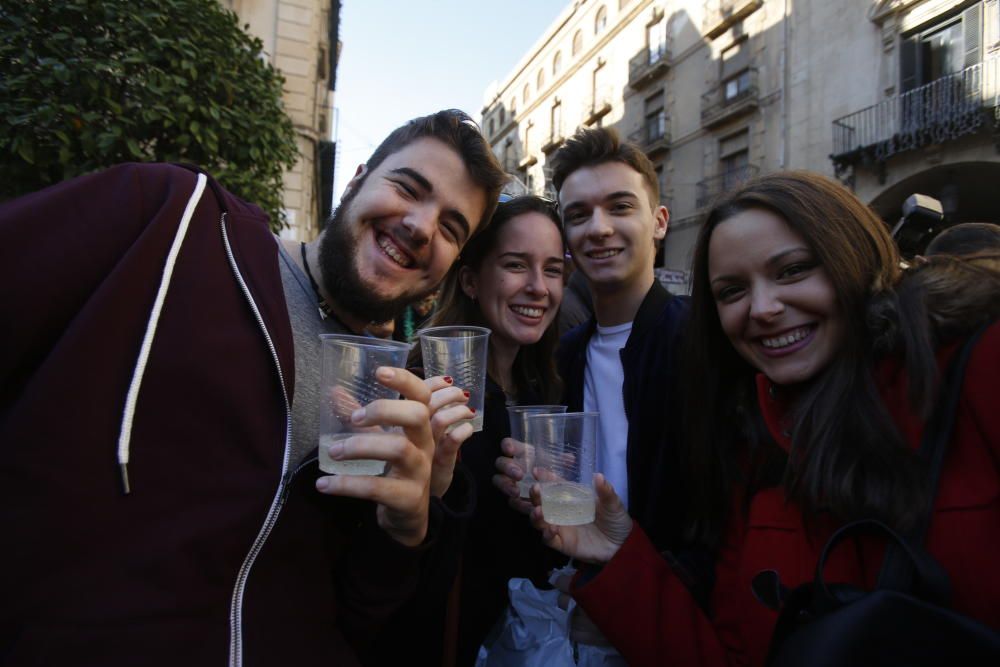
535, 631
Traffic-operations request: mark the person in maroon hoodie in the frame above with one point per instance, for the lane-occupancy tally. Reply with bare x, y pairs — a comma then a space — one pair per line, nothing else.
159, 493
812, 366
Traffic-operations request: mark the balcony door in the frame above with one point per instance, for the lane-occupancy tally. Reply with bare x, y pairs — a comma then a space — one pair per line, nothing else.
940, 77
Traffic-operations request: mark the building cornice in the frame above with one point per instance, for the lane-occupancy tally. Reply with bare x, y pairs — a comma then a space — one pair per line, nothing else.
580, 61
883, 9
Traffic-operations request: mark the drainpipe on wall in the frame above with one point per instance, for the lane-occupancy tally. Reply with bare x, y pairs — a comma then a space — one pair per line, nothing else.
785, 78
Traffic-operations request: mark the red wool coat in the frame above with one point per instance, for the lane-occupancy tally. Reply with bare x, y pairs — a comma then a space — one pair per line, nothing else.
648, 614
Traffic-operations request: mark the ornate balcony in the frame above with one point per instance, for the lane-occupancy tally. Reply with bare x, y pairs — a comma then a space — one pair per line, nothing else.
736, 96
654, 135
647, 65
720, 15
714, 187
943, 110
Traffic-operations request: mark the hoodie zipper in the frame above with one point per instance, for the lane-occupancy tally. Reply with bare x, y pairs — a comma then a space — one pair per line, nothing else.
236, 605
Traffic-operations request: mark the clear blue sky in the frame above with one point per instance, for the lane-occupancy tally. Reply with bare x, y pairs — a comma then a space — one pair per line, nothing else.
404, 59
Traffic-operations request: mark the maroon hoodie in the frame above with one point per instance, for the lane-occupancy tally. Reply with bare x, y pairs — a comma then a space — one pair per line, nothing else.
220, 552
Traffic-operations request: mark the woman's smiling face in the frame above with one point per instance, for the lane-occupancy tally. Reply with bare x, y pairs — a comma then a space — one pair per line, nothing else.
775, 301
519, 284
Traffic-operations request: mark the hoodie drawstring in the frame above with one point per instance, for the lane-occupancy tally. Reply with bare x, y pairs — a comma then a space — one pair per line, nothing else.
125, 435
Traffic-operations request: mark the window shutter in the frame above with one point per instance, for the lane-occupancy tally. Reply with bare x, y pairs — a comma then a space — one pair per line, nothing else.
909, 71
972, 33
991, 24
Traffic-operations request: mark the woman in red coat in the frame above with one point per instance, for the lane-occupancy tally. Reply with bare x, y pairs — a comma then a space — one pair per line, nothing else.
813, 362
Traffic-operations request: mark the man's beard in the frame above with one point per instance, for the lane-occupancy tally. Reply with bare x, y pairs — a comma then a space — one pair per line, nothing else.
338, 260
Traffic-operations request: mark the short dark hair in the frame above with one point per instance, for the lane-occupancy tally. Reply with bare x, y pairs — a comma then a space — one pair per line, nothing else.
591, 147
457, 130
967, 238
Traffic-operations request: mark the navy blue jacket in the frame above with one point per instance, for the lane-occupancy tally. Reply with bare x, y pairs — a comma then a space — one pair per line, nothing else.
650, 361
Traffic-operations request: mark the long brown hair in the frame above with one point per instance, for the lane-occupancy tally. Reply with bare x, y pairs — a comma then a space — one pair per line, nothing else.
534, 370
847, 456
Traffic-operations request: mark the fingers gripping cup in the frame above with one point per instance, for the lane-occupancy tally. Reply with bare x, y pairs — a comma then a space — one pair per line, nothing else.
347, 382
525, 456
565, 462
459, 352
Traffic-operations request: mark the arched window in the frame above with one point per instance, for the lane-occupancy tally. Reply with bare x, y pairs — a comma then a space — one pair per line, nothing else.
601, 20
556, 63
540, 80
513, 107
492, 128
503, 115
527, 94
577, 42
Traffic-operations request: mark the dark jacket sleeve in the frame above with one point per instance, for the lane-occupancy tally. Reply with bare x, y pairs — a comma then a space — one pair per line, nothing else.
413, 616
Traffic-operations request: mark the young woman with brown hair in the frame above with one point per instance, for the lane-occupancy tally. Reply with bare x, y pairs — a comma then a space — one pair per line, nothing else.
812, 363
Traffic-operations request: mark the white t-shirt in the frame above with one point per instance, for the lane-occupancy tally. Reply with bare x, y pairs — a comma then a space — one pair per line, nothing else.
603, 379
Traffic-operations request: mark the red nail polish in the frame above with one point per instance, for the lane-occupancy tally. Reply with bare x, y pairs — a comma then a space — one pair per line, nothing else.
473, 410
466, 394
447, 378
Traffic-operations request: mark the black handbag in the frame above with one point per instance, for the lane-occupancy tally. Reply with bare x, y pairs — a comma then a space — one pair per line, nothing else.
905, 621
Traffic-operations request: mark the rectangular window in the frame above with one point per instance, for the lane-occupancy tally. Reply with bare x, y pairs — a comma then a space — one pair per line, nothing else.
655, 120
736, 87
656, 38
734, 157
945, 48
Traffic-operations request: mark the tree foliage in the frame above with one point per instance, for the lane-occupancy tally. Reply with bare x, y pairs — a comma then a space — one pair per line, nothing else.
85, 84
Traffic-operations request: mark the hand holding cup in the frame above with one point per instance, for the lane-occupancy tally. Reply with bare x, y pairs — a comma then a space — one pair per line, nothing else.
595, 542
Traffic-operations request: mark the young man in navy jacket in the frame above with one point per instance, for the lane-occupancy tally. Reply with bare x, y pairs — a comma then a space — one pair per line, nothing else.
622, 362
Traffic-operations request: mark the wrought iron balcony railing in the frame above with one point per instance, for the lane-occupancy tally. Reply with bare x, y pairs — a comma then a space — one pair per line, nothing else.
714, 187
943, 110
654, 135
733, 97
648, 64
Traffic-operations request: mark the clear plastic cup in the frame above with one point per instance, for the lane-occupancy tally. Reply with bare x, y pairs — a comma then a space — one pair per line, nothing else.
525, 454
347, 382
459, 352
565, 462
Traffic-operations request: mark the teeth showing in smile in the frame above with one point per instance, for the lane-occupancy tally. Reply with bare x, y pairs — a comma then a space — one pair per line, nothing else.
526, 311
786, 339
603, 254
392, 251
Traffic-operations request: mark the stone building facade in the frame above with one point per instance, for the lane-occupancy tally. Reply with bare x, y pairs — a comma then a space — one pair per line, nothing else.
892, 97
300, 39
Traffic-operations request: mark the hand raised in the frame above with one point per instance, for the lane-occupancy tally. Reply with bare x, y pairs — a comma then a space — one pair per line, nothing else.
509, 473
403, 493
447, 408
594, 542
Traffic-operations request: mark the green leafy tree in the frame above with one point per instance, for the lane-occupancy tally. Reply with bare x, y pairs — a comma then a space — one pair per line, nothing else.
85, 84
